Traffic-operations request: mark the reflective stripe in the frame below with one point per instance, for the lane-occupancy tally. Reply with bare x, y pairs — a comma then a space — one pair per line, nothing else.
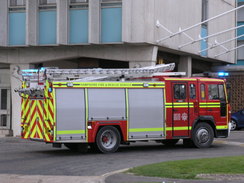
179, 105
178, 128
108, 85
224, 127
145, 129
209, 104
170, 79
66, 132
219, 80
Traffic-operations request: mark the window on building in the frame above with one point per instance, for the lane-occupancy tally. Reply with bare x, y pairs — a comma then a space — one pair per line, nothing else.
111, 21
204, 10
3, 99
111, 3
47, 4
3, 120
202, 90
17, 5
79, 4
179, 91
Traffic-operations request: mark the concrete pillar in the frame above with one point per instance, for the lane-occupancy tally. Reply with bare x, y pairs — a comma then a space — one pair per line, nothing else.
3, 22
62, 21
16, 99
151, 53
94, 22
126, 20
185, 65
31, 22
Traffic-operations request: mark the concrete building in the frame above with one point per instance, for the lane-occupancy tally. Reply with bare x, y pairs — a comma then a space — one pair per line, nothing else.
107, 34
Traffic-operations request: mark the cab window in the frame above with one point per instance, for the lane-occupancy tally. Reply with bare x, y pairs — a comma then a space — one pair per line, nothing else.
216, 92
202, 88
179, 91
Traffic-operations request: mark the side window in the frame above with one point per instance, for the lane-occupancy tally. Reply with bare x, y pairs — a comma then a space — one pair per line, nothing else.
179, 91
192, 91
202, 91
221, 92
213, 93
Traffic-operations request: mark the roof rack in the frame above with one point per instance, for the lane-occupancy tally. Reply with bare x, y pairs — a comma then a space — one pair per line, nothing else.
55, 74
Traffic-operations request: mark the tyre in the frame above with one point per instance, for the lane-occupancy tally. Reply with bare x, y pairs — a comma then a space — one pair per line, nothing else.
233, 125
108, 139
203, 135
77, 147
170, 142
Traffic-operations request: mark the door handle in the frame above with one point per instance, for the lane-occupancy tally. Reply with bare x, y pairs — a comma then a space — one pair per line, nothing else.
175, 109
210, 110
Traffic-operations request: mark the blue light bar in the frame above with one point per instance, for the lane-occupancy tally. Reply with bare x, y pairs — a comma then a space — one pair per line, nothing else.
222, 74
30, 70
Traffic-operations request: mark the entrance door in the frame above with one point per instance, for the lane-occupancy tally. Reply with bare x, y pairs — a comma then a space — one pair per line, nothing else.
180, 107
4, 108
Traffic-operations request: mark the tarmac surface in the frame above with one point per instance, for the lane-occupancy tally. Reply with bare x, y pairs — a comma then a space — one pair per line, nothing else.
19, 162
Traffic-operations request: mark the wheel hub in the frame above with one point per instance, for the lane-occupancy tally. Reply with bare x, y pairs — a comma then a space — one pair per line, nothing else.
202, 136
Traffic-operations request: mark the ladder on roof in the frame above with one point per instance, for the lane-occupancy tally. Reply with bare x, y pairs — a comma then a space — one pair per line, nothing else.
55, 74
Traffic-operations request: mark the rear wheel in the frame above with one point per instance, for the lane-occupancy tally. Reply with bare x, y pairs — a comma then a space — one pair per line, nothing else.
170, 142
203, 135
108, 139
77, 147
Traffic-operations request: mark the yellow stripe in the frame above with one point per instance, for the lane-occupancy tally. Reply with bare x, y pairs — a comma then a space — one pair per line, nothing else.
108, 85
185, 79
178, 128
87, 113
67, 132
224, 127
219, 80
145, 129
127, 112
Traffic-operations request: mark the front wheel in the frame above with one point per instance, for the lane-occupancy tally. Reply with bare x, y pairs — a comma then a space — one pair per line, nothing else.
233, 125
203, 135
108, 139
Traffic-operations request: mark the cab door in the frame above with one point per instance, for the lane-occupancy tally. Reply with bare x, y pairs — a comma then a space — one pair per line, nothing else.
180, 109
217, 104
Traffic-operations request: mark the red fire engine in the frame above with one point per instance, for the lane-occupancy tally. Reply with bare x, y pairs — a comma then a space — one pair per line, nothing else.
83, 108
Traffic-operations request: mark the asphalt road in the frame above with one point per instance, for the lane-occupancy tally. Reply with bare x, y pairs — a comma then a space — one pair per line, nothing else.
23, 157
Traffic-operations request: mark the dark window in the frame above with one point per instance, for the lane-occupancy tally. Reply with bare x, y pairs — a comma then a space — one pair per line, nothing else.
179, 91
47, 2
111, 3
192, 91
3, 99
202, 90
3, 120
81, 4
17, 3
204, 10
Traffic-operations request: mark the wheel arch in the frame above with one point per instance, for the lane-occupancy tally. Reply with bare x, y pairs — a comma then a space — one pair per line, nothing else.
118, 127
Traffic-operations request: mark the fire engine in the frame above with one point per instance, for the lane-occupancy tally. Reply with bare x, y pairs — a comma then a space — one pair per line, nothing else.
103, 108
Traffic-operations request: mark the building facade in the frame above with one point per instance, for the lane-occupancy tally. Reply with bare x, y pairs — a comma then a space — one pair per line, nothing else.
107, 34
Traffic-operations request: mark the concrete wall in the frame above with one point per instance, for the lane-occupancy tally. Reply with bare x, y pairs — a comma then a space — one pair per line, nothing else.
223, 23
